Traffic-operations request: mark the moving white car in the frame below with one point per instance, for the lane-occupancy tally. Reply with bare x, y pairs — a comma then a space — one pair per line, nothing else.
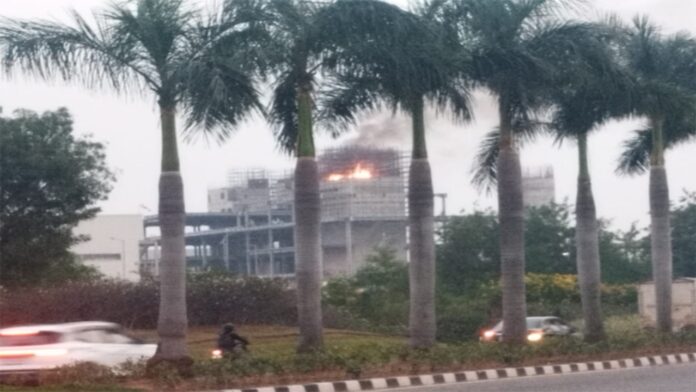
537, 329
32, 348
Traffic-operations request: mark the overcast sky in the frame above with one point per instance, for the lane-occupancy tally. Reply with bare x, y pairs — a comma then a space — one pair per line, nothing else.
130, 128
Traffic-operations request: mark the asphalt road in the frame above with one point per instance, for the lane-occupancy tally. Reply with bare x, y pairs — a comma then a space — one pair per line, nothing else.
666, 378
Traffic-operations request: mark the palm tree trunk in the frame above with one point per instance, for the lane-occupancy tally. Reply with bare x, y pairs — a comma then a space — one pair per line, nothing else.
587, 242
308, 270
422, 238
172, 322
511, 217
660, 230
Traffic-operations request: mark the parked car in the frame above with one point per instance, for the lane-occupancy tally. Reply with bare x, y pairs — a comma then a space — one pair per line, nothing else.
32, 348
537, 329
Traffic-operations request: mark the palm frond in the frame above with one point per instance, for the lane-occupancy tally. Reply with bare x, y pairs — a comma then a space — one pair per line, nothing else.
485, 169
204, 63
216, 97
455, 98
664, 67
217, 68
593, 86
156, 25
635, 157
342, 98
282, 113
404, 55
86, 52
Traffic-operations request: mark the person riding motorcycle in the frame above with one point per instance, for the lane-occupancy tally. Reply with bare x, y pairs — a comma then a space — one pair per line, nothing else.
229, 342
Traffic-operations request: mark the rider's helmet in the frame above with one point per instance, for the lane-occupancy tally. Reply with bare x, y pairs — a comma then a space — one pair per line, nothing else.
227, 328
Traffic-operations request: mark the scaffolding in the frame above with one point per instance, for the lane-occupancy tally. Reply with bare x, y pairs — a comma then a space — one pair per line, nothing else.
383, 162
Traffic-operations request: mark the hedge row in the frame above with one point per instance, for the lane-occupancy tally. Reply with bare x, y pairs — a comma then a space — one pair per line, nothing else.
212, 299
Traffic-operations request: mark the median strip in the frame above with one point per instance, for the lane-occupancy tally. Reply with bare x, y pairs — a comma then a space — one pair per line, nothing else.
479, 375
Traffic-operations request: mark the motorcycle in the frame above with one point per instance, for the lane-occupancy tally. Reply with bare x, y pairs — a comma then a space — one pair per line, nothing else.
237, 351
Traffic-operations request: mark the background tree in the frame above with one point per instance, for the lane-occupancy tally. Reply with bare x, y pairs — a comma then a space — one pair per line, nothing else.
513, 46
377, 293
50, 180
684, 236
174, 52
625, 255
468, 251
549, 235
400, 61
665, 94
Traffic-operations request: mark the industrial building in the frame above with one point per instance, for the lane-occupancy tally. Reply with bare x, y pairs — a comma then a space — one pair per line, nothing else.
249, 227
111, 244
538, 186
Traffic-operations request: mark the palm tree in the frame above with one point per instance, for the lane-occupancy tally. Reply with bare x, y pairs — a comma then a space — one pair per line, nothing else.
594, 91
515, 45
291, 54
666, 96
398, 60
174, 52
309, 38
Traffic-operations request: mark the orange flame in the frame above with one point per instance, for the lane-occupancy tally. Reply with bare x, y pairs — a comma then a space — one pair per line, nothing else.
359, 172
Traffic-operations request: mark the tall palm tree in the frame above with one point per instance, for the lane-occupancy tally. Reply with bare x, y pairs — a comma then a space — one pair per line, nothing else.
172, 51
665, 94
309, 38
291, 54
594, 91
514, 46
399, 61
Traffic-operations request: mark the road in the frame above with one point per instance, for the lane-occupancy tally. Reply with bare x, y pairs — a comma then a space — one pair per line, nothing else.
671, 378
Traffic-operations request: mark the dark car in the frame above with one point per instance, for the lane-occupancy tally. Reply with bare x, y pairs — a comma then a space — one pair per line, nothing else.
537, 329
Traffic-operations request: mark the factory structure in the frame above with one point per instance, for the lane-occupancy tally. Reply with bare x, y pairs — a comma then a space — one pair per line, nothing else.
249, 226
538, 186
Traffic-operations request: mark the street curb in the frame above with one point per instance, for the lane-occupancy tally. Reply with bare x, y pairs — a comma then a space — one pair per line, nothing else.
477, 375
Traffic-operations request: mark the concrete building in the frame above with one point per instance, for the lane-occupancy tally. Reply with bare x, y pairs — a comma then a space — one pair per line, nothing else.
249, 228
538, 186
111, 245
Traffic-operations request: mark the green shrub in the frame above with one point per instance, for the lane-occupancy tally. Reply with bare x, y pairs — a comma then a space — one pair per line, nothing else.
377, 293
213, 298
377, 299
83, 373
462, 318
165, 375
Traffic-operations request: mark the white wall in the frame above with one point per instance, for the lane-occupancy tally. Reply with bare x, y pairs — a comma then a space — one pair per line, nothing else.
111, 238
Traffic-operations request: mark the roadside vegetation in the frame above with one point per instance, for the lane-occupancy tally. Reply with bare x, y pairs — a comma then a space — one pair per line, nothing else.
272, 359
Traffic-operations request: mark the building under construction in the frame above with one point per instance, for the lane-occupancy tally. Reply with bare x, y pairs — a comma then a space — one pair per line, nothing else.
249, 227
538, 186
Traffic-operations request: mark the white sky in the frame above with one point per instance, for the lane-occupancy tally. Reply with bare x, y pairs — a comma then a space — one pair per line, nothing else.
130, 128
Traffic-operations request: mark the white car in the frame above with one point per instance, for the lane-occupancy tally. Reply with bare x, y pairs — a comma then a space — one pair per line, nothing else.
32, 348
537, 329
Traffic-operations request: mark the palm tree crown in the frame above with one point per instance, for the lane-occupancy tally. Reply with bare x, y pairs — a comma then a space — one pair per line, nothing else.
158, 45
